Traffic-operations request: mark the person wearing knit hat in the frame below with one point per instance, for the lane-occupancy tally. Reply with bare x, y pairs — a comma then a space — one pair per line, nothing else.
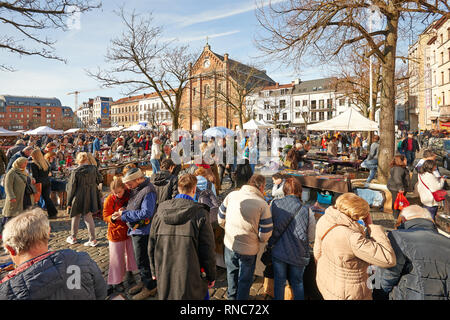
138, 215
133, 174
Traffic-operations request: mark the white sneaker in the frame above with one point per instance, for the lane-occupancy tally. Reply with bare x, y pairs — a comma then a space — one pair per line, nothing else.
71, 240
90, 244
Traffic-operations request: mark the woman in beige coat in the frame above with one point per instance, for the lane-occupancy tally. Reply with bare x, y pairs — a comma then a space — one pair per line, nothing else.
343, 252
15, 184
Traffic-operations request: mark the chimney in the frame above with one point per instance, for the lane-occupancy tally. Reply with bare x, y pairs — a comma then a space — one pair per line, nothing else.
277, 84
225, 57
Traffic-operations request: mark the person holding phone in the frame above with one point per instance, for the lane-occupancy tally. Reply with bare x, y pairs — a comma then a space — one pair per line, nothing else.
343, 251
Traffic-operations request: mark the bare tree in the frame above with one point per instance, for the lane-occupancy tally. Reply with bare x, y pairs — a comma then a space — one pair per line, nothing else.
300, 28
30, 19
142, 60
245, 81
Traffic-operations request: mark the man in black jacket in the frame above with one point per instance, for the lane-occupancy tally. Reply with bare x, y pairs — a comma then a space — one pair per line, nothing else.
423, 260
166, 184
181, 246
410, 146
26, 152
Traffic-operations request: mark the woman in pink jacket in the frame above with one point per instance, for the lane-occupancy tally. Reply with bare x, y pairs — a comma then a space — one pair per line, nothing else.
343, 252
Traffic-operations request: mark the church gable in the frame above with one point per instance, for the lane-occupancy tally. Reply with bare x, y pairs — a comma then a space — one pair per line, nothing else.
207, 62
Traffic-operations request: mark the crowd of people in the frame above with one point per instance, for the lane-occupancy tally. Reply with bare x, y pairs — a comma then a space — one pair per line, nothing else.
169, 227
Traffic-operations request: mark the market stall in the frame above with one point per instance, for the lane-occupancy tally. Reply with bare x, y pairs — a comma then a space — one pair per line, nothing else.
315, 180
350, 120
44, 130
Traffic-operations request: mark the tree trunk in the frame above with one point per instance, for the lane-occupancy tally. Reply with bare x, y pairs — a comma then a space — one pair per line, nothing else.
387, 113
241, 122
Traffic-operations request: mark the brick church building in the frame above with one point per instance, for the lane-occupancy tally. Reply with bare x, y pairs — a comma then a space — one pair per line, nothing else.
216, 85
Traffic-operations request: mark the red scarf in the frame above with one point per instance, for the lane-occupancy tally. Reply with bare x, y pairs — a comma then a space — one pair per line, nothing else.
26, 265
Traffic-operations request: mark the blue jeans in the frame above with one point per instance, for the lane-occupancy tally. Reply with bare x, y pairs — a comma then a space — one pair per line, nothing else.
410, 156
240, 270
283, 271
372, 165
155, 165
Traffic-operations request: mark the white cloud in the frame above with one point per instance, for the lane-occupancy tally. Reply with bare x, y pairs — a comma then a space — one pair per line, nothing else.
202, 37
219, 13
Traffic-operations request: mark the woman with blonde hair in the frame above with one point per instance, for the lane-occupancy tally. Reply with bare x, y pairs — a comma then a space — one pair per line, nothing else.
40, 169
82, 197
343, 252
121, 254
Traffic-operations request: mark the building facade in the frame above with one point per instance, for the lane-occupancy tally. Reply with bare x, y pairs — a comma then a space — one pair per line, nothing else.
299, 103
85, 114
153, 112
27, 113
143, 109
216, 84
101, 108
429, 78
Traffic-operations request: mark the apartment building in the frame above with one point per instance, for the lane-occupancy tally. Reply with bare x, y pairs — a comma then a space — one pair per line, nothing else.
429, 77
27, 113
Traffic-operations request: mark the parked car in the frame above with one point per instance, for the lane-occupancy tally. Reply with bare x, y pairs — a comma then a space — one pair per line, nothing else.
440, 148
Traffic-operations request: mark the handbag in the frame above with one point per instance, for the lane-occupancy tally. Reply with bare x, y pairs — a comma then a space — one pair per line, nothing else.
29, 187
400, 202
266, 257
438, 195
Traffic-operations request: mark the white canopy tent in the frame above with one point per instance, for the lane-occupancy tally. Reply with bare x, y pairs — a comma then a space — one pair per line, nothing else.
72, 130
253, 124
44, 131
265, 124
112, 129
7, 133
136, 127
350, 120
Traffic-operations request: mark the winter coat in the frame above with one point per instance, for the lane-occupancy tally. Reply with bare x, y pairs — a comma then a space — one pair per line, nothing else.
166, 185
16, 156
422, 271
14, 149
345, 254
373, 153
293, 245
181, 244
415, 145
247, 220
117, 229
434, 184
399, 179
82, 190
140, 208
15, 183
49, 277
40, 175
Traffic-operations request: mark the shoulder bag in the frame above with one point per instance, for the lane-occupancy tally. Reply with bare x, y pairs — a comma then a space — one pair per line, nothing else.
266, 257
438, 195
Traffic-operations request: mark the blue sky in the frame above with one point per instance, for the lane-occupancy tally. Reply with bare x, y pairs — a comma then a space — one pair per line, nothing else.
230, 25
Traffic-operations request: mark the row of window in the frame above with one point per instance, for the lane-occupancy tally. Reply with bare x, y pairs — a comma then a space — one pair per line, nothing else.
27, 103
304, 103
142, 117
313, 116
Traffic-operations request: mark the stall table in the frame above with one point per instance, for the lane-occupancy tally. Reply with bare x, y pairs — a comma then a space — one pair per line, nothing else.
334, 183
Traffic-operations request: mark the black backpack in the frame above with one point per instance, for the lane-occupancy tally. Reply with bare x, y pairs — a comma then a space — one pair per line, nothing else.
208, 198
